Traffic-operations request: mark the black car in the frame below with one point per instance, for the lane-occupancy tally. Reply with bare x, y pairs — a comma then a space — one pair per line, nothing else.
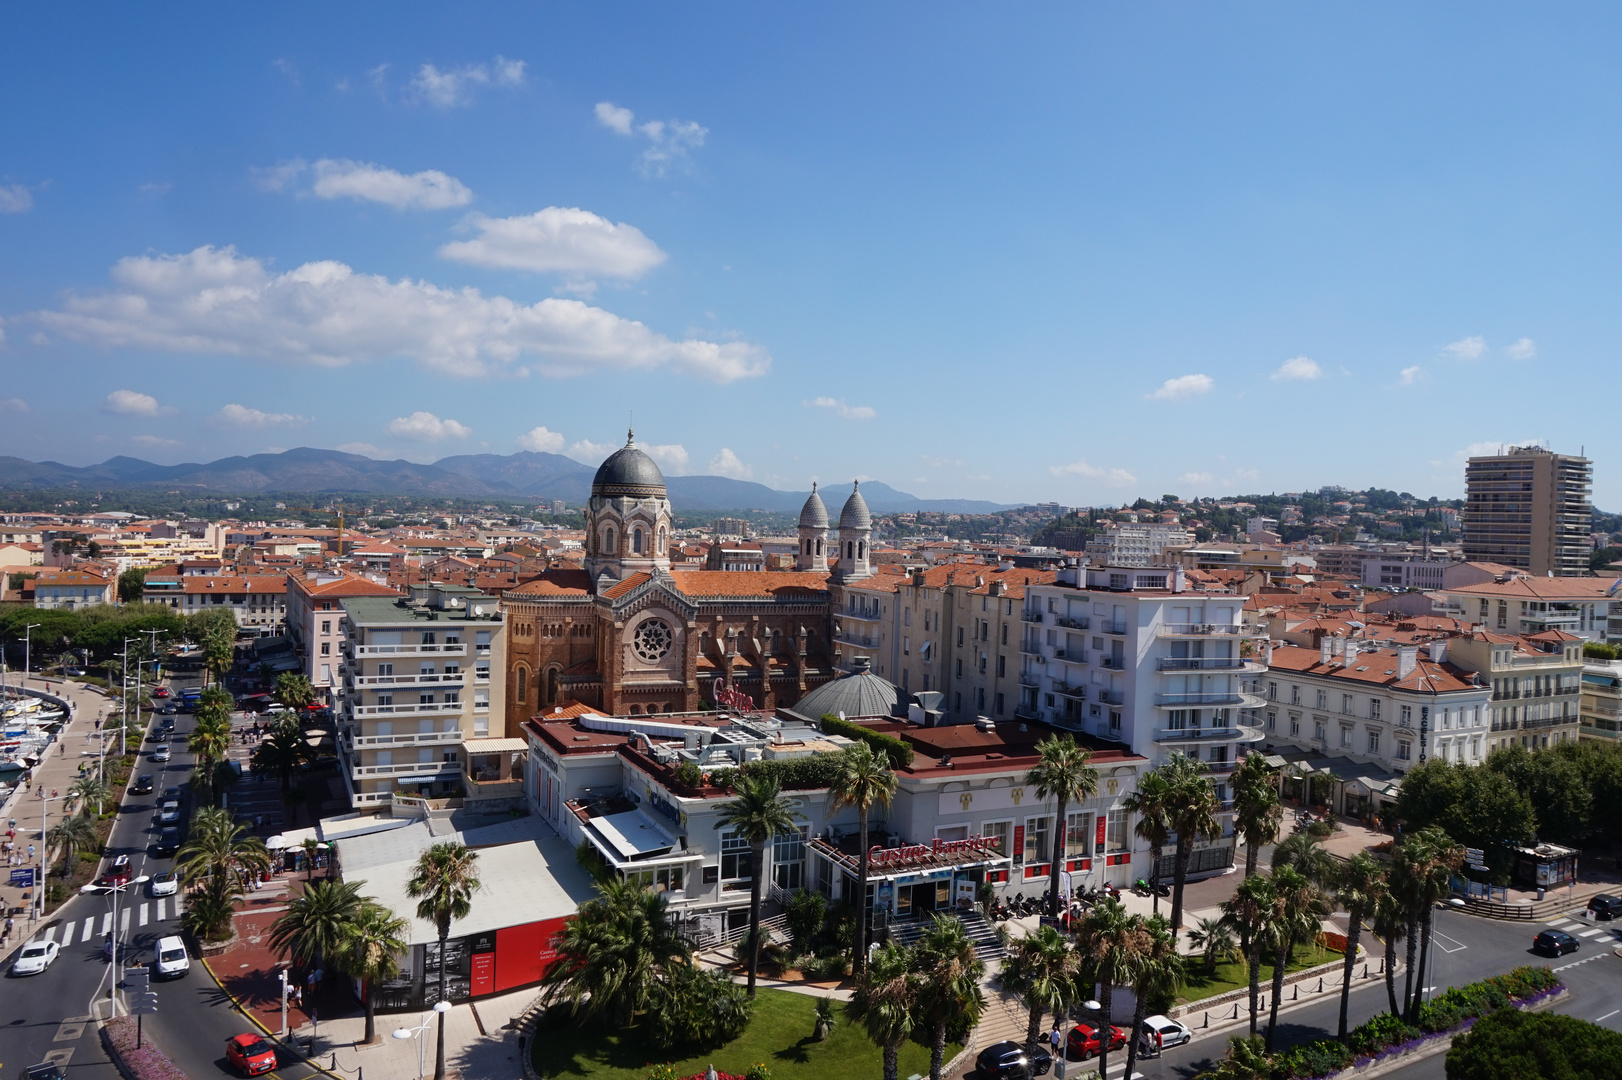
1009, 1061
142, 785
1605, 906
1554, 942
168, 842
171, 792
168, 709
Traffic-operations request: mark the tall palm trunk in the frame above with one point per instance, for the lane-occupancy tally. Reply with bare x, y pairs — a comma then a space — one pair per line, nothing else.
860, 959
1250, 857
1354, 931
1280, 962
1033, 1030
1253, 961
892, 1055
1408, 972
1154, 876
1059, 831
1185, 852
757, 862
1391, 973
371, 1014
937, 1050
1138, 1016
439, 1052
1106, 998
1420, 975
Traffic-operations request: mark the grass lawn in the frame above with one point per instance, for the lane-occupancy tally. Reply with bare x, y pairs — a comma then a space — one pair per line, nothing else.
779, 1035
1235, 976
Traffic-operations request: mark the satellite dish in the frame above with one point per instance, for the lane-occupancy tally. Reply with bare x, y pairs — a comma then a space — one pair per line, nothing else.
479, 610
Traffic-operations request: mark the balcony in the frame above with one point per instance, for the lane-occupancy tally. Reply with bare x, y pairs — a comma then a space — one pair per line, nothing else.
861, 614
1031, 648
862, 641
1204, 630
409, 768
446, 649
1027, 711
1112, 628
1209, 663
1548, 722
1588, 732
1027, 678
1220, 768
1072, 624
1027, 615
454, 678
1069, 691
420, 738
1110, 662
1112, 697
1233, 733
415, 708
1218, 700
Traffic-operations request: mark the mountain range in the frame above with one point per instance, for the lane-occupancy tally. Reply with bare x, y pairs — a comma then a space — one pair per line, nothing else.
526, 474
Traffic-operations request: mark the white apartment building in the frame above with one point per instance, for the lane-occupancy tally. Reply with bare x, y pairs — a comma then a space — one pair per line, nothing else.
1523, 605
1400, 572
415, 714
1135, 545
1536, 683
1133, 655
1362, 715
70, 589
314, 618
257, 601
1601, 707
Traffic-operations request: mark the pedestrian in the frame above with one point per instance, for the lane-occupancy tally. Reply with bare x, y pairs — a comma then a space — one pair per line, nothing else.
1055, 1038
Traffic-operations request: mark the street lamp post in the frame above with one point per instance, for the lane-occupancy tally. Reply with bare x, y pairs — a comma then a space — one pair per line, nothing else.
116, 890
28, 649
1061, 1056
1430, 961
440, 1007
37, 908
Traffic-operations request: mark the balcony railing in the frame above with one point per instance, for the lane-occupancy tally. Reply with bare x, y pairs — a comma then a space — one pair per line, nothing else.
1072, 624
1112, 697
1031, 648
1024, 711
1220, 768
862, 614
1207, 663
446, 649
1026, 678
1600, 733
1070, 691
1189, 701
859, 640
409, 768
418, 679
1112, 627
1111, 662
415, 708
1210, 630
420, 738
1027, 615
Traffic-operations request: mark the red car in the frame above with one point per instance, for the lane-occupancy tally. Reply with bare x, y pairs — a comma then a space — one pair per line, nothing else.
160, 692
117, 874
1083, 1041
250, 1053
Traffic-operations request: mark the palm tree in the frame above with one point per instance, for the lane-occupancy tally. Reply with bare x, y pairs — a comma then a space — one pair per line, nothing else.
208, 912
863, 780
87, 790
1151, 802
1250, 912
1246, 1060
294, 690
1159, 971
210, 741
1061, 772
282, 751
311, 847
757, 814
1445, 858
71, 835
1042, 969
1390, 925
313, 927
1304, 853
1409, 865
1214, 938
443, 886
1359, 885
370, 949
220, 853
949, 996
613, 953
884, 1001
1110, 942
1297, 916
1257, 815
1193, 814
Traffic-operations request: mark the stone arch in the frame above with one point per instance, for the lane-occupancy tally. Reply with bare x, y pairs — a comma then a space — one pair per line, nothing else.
608, 541
554, 685
636, 541
521, 685
661, 550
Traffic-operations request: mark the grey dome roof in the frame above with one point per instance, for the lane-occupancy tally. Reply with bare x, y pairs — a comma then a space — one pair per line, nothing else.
855, 514
861, 693
628, 471
814, 515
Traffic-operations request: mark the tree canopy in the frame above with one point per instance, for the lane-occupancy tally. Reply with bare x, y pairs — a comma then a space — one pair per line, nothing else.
1511, 1044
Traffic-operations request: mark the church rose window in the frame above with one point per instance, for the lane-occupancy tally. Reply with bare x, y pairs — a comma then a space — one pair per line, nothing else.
652, 640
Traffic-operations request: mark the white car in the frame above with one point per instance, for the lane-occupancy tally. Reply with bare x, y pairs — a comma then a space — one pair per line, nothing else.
161, 754
35, 958
170, 959
165, 884
1170, 1031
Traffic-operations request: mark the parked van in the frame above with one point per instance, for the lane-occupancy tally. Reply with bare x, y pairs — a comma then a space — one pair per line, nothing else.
170, 961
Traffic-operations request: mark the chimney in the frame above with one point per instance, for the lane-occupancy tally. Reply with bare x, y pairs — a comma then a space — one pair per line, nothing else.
1178, 581
1438, 650
1267, 653
1407, 660
1350, 650
1337, 645
1323, 650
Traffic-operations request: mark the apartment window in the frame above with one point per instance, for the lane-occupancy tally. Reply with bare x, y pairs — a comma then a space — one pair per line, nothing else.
1403, 748
385, 701
425, 699
1318, 730
452, 697
1374, 742
481, 672
326, 626
906, 646
1346, 735
481, 640
1272, 691
1407, 714
788, 858
1114, 720
999, 704
960, 637
998, 830
1374, 708
980, 698
735, 857
1002, 666
385, 669
659, 879
1115, 830
1005, 633
481, 699
1346, 704
960, 667
1272, 721
1037, 847
1323, 700
957, 698
982, 663
326, 648
906, 617
1295, 694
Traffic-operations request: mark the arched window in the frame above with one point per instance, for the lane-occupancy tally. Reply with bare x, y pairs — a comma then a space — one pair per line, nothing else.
552, 680
850, 550
523, 685
861, 549
819, 546
808, 547
636, 710
636, 541
661, 540
608, 542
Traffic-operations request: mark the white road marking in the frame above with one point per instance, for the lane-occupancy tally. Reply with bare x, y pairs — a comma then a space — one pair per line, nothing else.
106, 924
160, 909
1591, 933
179, 907
89, 928
1459, 945
143, 914
67, 934
50, 933
124, 921
1607, 1016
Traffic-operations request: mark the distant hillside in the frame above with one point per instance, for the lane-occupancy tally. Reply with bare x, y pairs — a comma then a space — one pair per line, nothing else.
521, 475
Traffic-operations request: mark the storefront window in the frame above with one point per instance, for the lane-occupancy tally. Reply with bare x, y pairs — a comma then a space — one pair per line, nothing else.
734, 858
1038, 847
1078, 836
659, 879
1001, 830
1115, 831
788, 859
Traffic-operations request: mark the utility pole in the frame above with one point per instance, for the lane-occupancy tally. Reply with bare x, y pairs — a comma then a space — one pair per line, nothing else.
28, 647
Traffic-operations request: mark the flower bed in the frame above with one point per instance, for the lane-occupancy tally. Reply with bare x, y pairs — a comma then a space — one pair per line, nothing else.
147, 1063
757, 1071
1448, 1014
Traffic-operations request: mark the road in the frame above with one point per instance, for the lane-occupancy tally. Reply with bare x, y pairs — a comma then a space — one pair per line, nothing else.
45, 1015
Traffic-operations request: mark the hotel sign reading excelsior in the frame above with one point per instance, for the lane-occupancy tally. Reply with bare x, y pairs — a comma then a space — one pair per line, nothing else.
912, 854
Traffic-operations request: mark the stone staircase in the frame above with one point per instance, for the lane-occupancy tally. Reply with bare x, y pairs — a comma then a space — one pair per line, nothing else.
987, 945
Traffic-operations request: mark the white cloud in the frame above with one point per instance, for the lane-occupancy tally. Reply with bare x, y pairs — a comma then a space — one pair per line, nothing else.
277, 177
1410, 375
288, 69
364, 449
1523, 349
668, 140
427, 190
1183, 386
454, 87
154, 440
726, 463
849, 412
1467, 348
213, 300
426, 427
672, 457
1249, 476
133, 403
1298, 368
1196, 479
614, 118
1111, 477
541, 441
242, 416
591, 453
558, 240
14, 405
15, 199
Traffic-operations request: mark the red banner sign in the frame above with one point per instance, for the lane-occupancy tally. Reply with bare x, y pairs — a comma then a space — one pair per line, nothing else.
916, 853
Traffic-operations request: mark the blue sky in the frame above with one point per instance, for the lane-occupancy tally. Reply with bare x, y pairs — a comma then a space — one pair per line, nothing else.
1072, 252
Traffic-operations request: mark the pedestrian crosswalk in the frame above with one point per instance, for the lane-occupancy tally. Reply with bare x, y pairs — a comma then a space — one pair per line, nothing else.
98, 926
1584, 928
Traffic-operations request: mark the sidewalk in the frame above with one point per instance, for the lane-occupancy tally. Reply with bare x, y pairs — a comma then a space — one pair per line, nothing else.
56, 770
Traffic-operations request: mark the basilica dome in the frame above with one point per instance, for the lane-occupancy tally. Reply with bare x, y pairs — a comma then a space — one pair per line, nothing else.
628, 473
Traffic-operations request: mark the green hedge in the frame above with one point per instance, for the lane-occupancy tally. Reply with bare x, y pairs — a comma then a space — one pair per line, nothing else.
899, 753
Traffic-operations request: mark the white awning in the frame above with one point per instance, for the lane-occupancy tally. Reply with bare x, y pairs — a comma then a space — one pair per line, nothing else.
633, 835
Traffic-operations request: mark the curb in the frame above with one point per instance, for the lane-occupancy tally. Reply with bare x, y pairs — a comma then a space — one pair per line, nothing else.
1439, 1043
1232, 997
253, 1019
